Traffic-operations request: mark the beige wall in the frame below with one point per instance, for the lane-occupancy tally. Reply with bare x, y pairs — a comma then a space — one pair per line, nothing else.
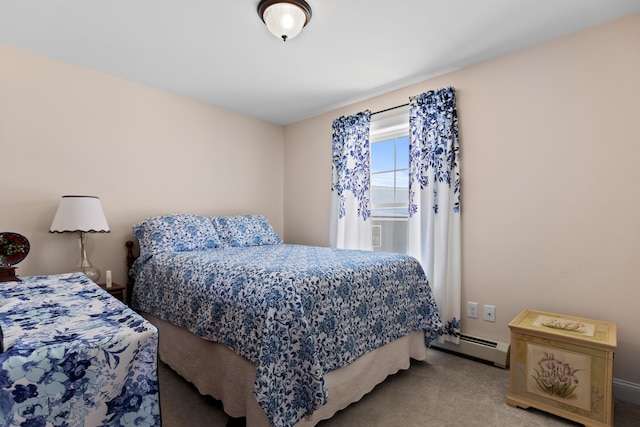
550, 148
144, 152
550, 142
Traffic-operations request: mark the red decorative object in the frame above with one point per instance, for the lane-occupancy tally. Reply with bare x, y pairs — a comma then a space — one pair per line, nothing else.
14, 248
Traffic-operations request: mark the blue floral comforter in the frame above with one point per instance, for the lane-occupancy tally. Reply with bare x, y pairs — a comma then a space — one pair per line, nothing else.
74, 356
296, 312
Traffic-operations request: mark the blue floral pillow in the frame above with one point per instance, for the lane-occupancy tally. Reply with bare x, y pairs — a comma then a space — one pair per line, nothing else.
245, 230
176, 233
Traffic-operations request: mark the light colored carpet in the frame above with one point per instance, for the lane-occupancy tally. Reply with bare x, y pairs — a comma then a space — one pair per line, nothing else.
446, 390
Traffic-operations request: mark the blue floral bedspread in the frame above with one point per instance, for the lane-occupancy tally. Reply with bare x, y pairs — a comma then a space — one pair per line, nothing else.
296, 312
74, 356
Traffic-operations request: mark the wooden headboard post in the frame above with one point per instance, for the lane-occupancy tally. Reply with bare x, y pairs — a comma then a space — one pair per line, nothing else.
130, 259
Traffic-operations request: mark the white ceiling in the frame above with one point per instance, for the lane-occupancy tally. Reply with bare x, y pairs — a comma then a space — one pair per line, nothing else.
220, 52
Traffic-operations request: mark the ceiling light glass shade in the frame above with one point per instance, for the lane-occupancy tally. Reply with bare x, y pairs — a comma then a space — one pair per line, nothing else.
285, 19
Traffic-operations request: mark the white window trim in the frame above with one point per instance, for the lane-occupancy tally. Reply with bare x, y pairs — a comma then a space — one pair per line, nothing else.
389, 124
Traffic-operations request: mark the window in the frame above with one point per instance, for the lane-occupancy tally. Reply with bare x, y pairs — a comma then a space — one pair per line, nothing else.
390, 177
389, 141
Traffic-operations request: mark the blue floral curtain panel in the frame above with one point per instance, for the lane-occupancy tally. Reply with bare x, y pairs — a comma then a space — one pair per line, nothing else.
434, 200
351, 198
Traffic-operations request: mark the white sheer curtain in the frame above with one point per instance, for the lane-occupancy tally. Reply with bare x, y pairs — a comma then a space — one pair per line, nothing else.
350, 197
434, 200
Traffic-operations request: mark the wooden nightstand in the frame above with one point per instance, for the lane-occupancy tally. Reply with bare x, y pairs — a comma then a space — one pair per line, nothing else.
117, 291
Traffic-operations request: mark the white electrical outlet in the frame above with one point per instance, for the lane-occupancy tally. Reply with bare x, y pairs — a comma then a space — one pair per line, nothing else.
490, 313
472, 309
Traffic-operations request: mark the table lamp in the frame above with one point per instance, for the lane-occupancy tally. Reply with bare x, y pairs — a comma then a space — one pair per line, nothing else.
81, 214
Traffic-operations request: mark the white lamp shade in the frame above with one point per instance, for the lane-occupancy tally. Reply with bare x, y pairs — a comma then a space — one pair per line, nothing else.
284, 20
79, 213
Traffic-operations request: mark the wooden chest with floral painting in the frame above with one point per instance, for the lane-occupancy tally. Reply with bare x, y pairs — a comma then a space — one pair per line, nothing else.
563, 365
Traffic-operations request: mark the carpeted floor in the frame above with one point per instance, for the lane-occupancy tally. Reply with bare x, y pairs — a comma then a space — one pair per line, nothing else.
446, 390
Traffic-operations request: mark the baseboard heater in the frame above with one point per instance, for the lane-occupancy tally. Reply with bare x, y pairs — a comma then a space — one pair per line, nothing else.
495, 352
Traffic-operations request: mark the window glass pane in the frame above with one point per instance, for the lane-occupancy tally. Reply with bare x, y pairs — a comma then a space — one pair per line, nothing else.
382, 156
402, 152
382, 188
402, 186
385, 179
402, 179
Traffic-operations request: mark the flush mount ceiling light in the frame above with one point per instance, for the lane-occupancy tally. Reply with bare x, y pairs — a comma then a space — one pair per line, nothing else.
284, 18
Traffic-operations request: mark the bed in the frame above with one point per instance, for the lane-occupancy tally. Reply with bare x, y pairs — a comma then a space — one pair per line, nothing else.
74, 356
282, 334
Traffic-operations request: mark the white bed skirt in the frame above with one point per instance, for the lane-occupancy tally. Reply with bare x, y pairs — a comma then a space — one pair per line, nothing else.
217, 371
